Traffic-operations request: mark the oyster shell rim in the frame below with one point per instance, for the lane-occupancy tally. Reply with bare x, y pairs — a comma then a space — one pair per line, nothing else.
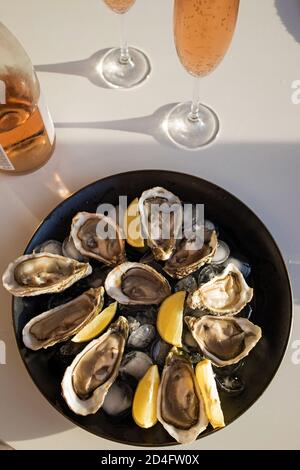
36, 345
181, 273
94, 403
247, 326
77, 222
113, 282
159, 253
182, 436
195, 299
11, 285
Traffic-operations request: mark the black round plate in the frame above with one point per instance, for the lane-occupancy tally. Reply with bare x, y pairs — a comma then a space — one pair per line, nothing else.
272, 307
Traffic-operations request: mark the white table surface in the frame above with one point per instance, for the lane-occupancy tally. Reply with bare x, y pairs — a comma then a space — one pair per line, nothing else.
256, 157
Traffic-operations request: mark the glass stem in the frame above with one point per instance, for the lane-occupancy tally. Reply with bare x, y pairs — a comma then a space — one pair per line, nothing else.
125, 56
194, 113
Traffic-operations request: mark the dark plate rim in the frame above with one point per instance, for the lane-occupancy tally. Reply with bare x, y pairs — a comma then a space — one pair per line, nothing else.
214, 187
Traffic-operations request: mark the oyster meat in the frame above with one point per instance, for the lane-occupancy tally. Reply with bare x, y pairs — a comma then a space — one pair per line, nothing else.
161, 220
225, 294
181, 408
43, 273
224, 340
189, 256
99, 237
136, 283
64, 321
87, 380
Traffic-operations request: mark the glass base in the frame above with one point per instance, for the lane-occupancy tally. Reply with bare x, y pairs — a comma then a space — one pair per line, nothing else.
122, 74
192, 133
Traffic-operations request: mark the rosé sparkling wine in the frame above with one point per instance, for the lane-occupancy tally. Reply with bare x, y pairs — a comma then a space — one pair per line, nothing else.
119, 6
203, 31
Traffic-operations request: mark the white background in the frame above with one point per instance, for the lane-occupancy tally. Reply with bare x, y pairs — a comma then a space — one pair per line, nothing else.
256, 157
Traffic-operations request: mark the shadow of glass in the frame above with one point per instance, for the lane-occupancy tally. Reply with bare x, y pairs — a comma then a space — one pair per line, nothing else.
153, 125
87, 68
289, 13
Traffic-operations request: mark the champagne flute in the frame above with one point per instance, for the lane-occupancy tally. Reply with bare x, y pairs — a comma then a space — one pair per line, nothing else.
203, 30
123, 67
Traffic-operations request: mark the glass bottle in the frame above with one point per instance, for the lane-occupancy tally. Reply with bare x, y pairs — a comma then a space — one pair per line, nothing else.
27, 136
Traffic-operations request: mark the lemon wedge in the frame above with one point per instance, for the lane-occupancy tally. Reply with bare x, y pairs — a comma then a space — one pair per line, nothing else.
97, 325
170, 318
132, 225
144, 407
207, 384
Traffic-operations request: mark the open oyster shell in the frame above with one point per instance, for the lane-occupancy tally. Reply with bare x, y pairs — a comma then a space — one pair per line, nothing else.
226, 294
137, 283
64, 321
87, 380
99, 237
180, 407
161, 220
42, 273
188, 257
224, 340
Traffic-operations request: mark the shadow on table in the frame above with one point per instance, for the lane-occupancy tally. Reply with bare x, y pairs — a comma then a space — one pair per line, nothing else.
84, 68
152, 125
289, 13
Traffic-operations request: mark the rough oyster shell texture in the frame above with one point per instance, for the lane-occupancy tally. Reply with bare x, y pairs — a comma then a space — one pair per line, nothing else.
180, 407
187, 258
136, 284
224, 340
99, 237
161, 219
42, 273
226, 294
87, 380
60, 323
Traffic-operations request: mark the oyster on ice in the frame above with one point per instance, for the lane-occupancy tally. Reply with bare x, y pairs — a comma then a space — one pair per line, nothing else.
64, 321
224, 340
189, 257
137, 283
180, 407
42, 273
99, 237
87, 380
225, 294
161, 220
